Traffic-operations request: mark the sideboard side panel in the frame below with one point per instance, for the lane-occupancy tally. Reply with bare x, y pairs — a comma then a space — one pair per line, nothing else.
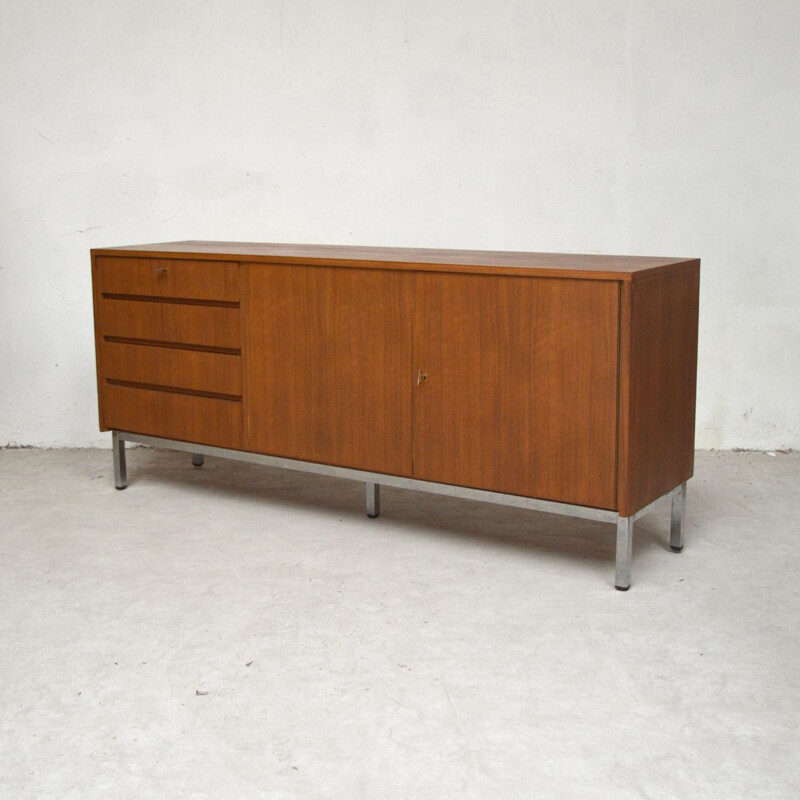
98, 342
658, 385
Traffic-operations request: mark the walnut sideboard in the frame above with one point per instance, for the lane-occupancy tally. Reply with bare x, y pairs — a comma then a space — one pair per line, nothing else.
559, 383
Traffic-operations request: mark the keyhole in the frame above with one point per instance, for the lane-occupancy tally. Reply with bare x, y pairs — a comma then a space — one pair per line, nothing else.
421, 376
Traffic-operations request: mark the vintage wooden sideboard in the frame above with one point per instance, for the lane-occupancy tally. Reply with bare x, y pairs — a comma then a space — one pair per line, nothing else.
560, 383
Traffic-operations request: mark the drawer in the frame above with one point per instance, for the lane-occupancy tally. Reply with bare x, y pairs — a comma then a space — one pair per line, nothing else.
179, 323
205, 420
195, 370
168, 277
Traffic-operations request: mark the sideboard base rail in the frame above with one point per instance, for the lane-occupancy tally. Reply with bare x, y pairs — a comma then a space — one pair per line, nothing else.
374, 480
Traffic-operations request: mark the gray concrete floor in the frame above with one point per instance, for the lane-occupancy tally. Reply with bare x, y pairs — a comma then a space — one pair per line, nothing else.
242, 632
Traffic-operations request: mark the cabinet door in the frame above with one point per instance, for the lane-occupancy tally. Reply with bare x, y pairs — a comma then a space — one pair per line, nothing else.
328, 365
518, 389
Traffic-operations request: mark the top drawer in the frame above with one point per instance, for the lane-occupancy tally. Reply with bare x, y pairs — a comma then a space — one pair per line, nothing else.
167, 277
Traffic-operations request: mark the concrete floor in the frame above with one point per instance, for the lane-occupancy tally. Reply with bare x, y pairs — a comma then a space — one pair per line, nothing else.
243, 632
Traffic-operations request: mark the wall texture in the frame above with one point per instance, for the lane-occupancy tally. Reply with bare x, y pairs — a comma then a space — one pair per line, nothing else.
609, 126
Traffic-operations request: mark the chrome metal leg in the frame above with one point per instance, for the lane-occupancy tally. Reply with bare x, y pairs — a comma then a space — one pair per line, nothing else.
678, 516
373, 499
622, 578
120, 467
198, 460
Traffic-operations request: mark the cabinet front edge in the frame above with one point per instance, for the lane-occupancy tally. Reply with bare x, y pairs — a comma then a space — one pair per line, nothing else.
575, 273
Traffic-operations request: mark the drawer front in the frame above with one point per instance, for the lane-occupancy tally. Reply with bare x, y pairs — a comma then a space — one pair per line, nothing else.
168, 277
179, 323
190, 418
194, 370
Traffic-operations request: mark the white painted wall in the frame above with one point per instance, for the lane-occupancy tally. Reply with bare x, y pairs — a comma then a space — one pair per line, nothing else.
614, 126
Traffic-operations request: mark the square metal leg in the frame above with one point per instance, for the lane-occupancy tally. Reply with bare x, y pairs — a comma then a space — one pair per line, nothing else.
373, 499
678, 516
198, 460
622, 579
120, 467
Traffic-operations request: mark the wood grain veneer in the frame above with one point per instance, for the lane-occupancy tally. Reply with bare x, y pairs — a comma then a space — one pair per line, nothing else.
587, 266
327, 363
170, 322
563, 377
520, 393
168, 277
193, 370
168, 337
659, 381
178, 416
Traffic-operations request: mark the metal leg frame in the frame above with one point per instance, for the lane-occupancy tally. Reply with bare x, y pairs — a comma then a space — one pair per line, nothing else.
373, 492
625, 534
120, 466
678, 515
622, 576
373, 499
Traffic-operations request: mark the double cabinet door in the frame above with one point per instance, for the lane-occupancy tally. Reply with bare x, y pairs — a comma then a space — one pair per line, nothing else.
503, 383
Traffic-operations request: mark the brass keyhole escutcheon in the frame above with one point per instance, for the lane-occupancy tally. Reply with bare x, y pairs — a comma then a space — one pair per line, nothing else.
421, 377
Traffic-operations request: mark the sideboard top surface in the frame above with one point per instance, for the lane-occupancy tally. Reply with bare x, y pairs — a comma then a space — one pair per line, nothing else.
598, 267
